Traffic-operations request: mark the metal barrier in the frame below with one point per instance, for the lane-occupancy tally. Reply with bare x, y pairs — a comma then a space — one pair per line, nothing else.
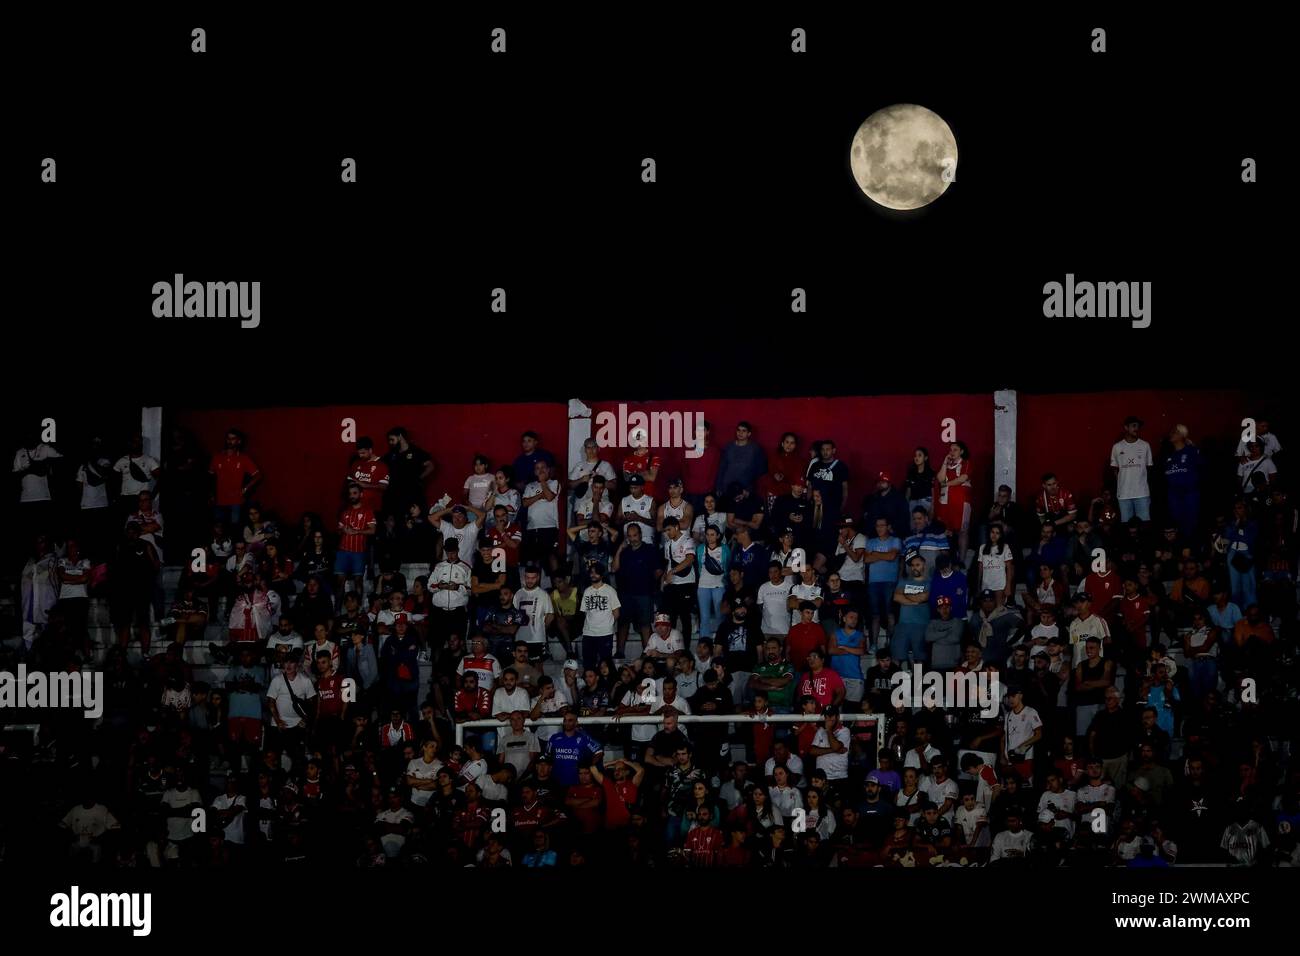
848, 719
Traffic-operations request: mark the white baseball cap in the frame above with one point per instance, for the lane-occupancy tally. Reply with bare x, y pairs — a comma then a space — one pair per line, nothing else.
571, 665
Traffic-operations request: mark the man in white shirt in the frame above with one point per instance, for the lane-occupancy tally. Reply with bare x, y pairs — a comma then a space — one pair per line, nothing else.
679, 574
637, 508
664, 640
422, 773
1059, 802
542, 533
510, 697
139, 473
519, 747
287, 718
393, 823
537, 607
179, 801
1012, 843
599, 605
231, 807
1268, 443
284, 634
806, 589
449, 585
830, 745
1022, 729
33, 464
774, 599
942, 790
88, 822
1130, 459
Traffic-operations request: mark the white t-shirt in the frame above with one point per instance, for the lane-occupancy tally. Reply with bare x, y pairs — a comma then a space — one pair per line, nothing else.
702, 521
852, 570
303, 689
393, 842
714, 581
234, 830
89, 824
1268, 445
598, 604
1007, 844
805, 592
669, 645
772, 598
420, 770
794, 765
835, 765
478, 487
73, 567
939, 792
94, 496
1020, 727
645, 693
1132, 459
448, 572
1065, 800
643, 507
542, 513
1248, 470
35, 487
967, 820
536, 604
518, 749
130, 485
583, 470
466, 537
507, 702
675, 553
180, 828
584, 506
993, 567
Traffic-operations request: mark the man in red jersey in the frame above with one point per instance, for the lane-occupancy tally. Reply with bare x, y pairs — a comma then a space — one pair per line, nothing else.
331, 708
705, 842
368, 471
356, 526
621, 791
235, 475
1054, 503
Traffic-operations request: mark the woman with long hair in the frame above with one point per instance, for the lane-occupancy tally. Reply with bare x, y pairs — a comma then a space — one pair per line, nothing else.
997, 566
712, 558
1047, 591
276, 570
919, 483
709, 517
952, 496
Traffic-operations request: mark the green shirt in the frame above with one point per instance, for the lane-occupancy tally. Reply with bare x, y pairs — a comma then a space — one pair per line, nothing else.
784, 696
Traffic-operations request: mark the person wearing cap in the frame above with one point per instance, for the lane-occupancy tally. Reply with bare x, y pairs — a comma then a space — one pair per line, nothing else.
637, 508
943, 636
888, 502
1022, 729
1130, 463
851, 555
830, 476
449, 589
665, 641
913, 596
675, 506
1086, 624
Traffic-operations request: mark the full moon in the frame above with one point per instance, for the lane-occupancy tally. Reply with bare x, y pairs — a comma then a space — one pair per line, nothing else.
899, 156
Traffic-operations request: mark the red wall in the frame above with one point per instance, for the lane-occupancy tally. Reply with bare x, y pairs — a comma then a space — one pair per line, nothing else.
1072, 434
303, 459
871, 434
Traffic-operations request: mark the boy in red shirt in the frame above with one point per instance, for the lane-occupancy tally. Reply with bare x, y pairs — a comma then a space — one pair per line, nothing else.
804, 637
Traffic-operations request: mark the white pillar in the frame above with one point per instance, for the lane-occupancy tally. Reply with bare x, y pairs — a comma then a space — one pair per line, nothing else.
1004, 440
579, 431
151, 428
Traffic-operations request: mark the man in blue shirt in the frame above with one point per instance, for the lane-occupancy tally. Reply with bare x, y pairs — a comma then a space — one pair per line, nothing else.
846, 647
951, 583
1182, 469
569, 748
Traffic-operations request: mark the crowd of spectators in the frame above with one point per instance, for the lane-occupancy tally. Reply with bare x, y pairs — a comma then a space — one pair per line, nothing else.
1144, 642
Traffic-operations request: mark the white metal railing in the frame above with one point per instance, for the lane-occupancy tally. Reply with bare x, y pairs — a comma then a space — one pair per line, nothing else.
503, 725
